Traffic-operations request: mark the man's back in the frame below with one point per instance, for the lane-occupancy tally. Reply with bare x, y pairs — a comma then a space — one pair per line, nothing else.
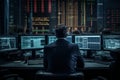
62, 57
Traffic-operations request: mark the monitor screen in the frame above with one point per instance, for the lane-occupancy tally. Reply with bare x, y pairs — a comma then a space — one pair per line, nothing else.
32, 42
69, 38
88, 42
111, 42
8, 43
52, 38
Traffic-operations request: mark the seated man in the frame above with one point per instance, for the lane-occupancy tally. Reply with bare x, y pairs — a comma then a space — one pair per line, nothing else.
115, 64
62, 56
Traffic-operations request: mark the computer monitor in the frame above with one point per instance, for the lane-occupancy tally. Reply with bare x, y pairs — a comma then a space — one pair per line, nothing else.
88, 42
111, 42
52, 38
69, 38
8, 43
32, 42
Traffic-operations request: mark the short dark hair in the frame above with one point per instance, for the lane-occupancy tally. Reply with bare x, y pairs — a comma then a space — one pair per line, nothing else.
61, 31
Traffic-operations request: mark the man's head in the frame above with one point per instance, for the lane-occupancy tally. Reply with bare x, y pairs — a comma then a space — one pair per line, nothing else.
61, 31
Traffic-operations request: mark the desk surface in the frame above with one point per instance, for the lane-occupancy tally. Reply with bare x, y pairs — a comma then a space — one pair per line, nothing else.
22, 65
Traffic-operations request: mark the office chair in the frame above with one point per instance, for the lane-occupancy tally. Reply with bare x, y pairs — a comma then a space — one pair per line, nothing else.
40, 75
6, 75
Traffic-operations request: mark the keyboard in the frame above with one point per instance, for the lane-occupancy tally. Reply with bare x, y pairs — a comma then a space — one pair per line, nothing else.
95, 65
35, 62
88, 60
104, 62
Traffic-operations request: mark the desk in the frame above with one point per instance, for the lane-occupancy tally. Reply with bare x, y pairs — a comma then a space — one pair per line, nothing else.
91, 69
22, 65
95, 65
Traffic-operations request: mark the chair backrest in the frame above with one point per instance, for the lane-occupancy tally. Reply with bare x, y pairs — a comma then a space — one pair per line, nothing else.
40, 75
6, 75
115, 70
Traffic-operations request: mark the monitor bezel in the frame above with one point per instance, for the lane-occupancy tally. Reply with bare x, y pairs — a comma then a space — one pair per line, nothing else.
11, 36
91, 35
20, 46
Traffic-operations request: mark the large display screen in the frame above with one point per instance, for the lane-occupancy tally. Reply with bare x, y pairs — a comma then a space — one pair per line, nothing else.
8, 43
32, 42
111, 42
88, 42
52, 38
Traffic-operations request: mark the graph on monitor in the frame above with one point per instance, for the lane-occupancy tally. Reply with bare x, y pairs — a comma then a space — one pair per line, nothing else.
88, 42
32, 42
111, 42
52, 38
8, 43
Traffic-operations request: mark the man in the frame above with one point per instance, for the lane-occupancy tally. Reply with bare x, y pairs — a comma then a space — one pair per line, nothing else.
115, 64
62, 56
76, 31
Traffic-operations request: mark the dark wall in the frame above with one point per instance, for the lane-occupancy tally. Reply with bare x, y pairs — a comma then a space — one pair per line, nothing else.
1, 16
112, 3
112, 14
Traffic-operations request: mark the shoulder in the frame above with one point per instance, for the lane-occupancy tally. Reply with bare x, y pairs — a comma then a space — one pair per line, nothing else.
73, 45
50, 45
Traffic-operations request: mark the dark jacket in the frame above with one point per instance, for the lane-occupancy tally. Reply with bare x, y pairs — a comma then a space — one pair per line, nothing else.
62, 56
115, 70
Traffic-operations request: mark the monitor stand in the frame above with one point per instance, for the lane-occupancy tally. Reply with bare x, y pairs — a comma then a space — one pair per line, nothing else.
89, 54
33, 54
